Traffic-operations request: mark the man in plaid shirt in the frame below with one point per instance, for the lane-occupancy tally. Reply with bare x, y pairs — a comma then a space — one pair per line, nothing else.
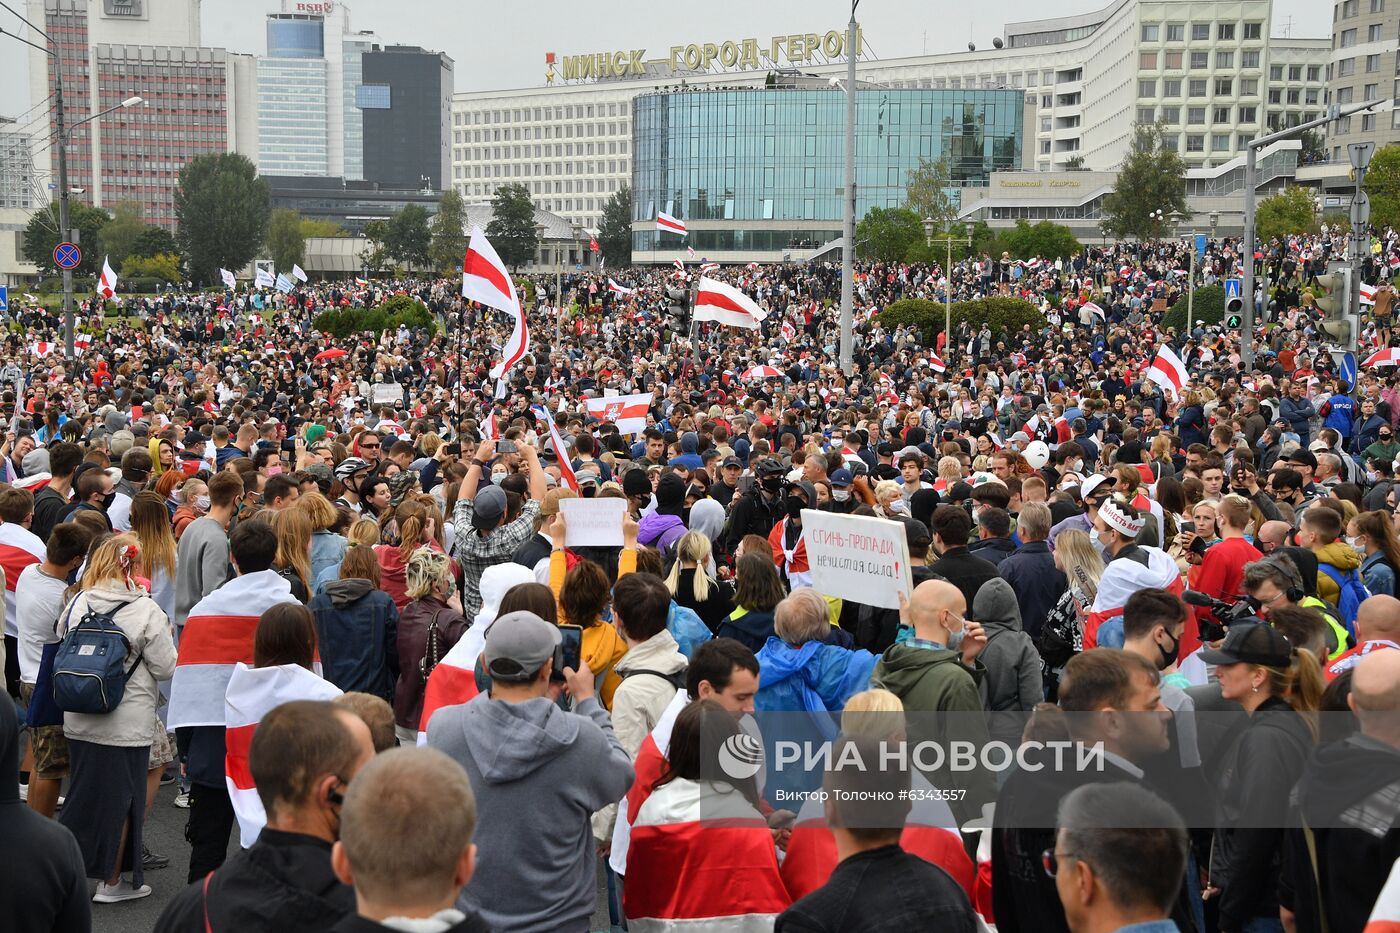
484, 538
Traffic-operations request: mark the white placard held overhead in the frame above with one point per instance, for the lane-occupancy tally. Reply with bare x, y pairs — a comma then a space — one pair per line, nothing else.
593, 522
857, 557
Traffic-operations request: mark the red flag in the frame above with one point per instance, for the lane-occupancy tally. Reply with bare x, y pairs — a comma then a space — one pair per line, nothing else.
592, 244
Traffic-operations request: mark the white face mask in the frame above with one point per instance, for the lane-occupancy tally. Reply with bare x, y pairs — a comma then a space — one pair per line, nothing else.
840, 495
898, 506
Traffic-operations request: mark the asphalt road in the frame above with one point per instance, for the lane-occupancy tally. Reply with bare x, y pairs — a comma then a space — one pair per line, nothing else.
165, 833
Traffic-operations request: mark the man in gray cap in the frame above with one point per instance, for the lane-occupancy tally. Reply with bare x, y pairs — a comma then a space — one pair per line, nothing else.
538, 773
491, 540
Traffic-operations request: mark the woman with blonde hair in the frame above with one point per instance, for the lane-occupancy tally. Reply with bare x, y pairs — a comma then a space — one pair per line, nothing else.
429, 625
327, 547
1062, 636
691, 587
362, 532
417, 529
152, 529
930, 830
889, 498
293, 561
110, 753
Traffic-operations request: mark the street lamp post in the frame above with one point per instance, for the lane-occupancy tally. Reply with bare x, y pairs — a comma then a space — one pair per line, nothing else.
929, 238
848, 213
1176, 218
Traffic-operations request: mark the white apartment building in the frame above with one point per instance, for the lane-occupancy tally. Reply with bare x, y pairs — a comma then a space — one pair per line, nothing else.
1207, 69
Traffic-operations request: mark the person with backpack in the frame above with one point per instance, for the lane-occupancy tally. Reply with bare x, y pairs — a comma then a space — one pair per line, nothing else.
1338, 564
429, 625
117, 645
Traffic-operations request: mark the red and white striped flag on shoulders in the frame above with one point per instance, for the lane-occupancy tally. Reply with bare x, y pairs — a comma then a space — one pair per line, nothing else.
708, 266
718, 301
19, 547
788, 331
1169, 372
665, 221
650, 767
252, 693
218, 635
453, 680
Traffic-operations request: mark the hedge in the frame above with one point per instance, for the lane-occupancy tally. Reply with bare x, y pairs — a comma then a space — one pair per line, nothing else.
399, 310
1208, 305
1003, 315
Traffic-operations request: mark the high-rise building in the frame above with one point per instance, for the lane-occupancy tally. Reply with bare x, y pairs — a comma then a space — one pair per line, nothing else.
405, 99
1362, 66
17, 183
198, 100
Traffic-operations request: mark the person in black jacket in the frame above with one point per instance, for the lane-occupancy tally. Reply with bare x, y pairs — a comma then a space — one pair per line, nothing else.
303, 756
956, 564
43, 887
53, 503
758, 510
876, 885
406, 842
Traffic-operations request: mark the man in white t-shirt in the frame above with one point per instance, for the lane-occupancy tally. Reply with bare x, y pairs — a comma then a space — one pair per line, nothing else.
38, 604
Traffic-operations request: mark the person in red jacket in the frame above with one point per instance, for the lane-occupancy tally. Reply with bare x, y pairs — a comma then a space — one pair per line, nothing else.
1221, 571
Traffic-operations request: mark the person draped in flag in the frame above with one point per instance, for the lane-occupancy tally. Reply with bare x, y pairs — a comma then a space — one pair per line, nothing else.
1131, 566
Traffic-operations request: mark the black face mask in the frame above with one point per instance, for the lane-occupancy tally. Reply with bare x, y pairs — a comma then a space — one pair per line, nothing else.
772, 483
1169, 657
794, 506
107, 500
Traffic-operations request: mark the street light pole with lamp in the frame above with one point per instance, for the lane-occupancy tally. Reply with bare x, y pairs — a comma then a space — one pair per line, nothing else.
929, 238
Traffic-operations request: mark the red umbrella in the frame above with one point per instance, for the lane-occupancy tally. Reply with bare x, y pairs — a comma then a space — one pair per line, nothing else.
330, 354
760, 372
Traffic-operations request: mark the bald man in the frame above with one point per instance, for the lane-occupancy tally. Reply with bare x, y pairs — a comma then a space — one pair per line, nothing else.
1348, 795
932, 673
1377, 628
1271, 536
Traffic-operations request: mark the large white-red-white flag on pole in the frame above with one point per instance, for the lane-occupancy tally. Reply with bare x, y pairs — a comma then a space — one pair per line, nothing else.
717, 301
107, 285
1168, 371
665, 221
561, 454
1367, 294
486, 281
628, 412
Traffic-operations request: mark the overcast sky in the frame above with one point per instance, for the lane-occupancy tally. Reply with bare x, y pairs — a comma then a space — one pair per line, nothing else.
502, 44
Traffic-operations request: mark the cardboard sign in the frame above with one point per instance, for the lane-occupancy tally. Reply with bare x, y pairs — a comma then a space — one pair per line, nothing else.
856, 557
593, 522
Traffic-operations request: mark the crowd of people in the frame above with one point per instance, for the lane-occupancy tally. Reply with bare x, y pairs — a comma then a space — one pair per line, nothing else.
327, 587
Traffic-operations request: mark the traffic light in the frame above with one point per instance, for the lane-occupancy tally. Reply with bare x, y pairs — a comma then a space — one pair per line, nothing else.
1332, 302
677, 307
1234, 308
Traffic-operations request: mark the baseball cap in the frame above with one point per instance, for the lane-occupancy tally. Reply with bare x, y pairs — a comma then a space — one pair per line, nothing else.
321, 472
732, 462
488, 507
518, 644
1252, 643
916, 533
840, 477
636, 482
1303, 458
1318, 446
1090, 485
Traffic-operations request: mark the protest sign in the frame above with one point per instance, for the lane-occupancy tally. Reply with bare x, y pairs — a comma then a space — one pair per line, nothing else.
857, 557
595, 522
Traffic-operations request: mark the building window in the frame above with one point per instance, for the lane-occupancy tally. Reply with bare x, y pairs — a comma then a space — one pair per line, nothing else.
1171, 115
1224, 87
1200, 60
1226, 32
1350, 8
1222, 114
1171, 87
1176, 32
1248, 114
1147, 88
1200, 31
1310, 96
1249, 58
1345, 95
1150, 32
1294, 95
1253, 30
1275, 72
1348, 38
1368, 122
1146, 115
1373, 63
1045, 144
1346, 67
1377, 6
1173, 61
1147, 61
1295, 72
1373, 32
1220, 142
1314, 72
1195, 143
1275, 96
1224, 59
1196, 116
1197, 88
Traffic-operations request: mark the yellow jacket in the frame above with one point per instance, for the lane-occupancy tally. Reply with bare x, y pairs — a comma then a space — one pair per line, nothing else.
602, 646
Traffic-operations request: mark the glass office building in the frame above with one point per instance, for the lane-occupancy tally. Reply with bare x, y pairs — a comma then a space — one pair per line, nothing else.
762, 169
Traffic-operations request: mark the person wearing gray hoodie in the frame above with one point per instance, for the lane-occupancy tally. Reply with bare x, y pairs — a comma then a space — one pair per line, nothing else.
538, 774
1012, 682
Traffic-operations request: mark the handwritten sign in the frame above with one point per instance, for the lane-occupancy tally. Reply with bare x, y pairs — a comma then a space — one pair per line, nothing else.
857, 557
593, 522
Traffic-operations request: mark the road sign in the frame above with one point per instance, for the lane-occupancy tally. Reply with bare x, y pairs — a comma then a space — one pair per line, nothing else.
1360, 210
67, 256
1232, 288
1360, 154
1200, 245
4, 298
1234, 321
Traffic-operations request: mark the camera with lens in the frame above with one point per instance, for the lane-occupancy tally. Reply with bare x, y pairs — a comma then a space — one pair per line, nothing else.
1243, 610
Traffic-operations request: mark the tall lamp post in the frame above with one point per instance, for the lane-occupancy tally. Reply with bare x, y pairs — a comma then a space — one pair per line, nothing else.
848, 213
64, 133
1177, 218
929, 240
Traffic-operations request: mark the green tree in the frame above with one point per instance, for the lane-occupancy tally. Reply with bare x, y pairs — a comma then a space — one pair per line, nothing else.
284, 239
311, 227
1382, 185
512, 228
375, 257
1288, 212
1314, 147
154, 241
165, 267
222, 209
615, 229
449, 232
1075, 164
1152, 178
41, 237
926, 193
119, 235
406, 237
1045, 239
887, 233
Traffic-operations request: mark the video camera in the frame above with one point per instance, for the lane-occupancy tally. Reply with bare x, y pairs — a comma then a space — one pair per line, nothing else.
1243, 610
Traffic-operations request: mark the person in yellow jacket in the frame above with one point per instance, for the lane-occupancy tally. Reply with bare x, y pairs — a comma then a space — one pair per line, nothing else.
583, 594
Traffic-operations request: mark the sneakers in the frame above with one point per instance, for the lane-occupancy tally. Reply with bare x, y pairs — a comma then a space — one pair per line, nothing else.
152, 861
168, 777
121, 891
183, 800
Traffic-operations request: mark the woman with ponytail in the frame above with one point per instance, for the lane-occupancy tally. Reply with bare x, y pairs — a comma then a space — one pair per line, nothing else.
417, 528
1280, 687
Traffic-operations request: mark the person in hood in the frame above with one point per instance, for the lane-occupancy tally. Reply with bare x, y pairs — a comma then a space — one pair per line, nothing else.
357, 628
45, 890
789, 547
1341, 781
109, 753
689, 457
538, 774
665, 526
801, 669
1321, 532
1130, 567
1013, 681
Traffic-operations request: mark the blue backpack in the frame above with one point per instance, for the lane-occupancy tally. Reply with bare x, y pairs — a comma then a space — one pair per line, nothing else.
89, 670
1353, 594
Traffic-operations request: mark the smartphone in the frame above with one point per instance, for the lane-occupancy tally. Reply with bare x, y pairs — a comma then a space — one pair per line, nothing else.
572, 646
454, 450
1198, 546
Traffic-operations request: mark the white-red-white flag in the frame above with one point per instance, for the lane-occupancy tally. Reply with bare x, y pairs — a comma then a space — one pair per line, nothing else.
717, 301
620, 289
679, 264
1390, 356
628, 412
788, 331
486, 281
665, 221
81, 342
708, 266
561, 454
935, 363
1368, 294
107, 284
489, 429
1168, 371
42, 347
252, 693
1095, 310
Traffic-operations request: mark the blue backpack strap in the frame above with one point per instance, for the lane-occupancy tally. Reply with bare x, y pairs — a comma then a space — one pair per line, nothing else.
1343, 581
